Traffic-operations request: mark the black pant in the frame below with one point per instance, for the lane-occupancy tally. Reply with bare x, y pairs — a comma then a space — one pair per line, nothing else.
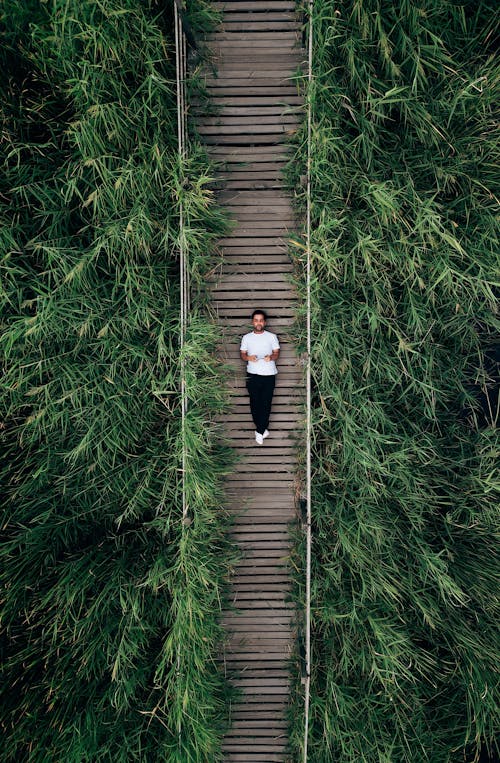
260, 388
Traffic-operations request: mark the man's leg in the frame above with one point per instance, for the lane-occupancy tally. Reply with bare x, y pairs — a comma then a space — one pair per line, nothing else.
256, 388
254, 393
268, 383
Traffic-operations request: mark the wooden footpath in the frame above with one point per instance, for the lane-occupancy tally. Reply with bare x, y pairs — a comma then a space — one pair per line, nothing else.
257, 49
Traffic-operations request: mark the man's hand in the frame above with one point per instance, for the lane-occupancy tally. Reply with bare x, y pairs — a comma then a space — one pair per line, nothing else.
253, 358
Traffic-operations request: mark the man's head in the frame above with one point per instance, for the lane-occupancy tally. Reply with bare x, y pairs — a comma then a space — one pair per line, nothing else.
259, 319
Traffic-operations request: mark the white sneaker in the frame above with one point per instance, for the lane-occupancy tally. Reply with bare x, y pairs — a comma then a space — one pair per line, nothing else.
266, 434
259, 438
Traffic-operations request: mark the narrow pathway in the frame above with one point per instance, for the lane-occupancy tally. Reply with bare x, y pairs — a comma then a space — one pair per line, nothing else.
256, 51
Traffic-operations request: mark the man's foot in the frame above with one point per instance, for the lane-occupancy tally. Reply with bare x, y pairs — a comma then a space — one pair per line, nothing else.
259, 438
266, 434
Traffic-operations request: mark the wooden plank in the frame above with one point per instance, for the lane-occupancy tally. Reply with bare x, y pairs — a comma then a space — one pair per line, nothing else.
256, 180
266, 89
242, 79
265, 586
242, 68
257, 185
231, 93
246, 130
253, 180
273, 517
261, 502
276, 712
289, 56
273, 19
276, 516
263, 639
258, 506
249, 172
282, 392
263, 229
261, 729
250, 155
249, 270
265, 22
220, 99
257, 666
261, 553
270, 483
248, 444
256, 5
259, 511
260, 689
271, 110
272, 307
268, 38
256, 203
276, 199
238, 184
263, 596
284, 521
256, 611
253, 213
236, 653
257, 8
245, 139
261, 250
271, 42
234, 120
244, 734
256, 533
250, 549
251, 621
245, 265
217, 47
255, 757
265, 253
247, 79
267, 709
253, 290
249, 506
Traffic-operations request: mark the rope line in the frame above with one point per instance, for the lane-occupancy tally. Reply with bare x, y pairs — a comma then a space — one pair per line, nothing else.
180, 59
308, 402
180, 69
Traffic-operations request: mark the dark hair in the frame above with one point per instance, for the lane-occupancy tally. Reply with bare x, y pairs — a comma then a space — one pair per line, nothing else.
259, 312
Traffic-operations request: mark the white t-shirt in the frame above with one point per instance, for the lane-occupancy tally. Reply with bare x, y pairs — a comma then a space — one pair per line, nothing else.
260, 345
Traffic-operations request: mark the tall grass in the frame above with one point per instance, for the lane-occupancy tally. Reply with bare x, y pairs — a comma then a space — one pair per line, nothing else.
405, 315
109, 603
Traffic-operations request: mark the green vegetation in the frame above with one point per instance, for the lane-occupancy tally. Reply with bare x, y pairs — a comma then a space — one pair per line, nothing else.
110, 604
404, 283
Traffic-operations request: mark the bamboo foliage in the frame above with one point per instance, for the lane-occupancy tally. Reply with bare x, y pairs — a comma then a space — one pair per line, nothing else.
109, 605
404, 315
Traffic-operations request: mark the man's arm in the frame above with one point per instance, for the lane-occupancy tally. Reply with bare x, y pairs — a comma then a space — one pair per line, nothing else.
246, 357
273, 356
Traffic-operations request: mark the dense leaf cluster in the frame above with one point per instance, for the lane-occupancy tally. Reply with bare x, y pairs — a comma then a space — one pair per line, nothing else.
109, 603
404, 188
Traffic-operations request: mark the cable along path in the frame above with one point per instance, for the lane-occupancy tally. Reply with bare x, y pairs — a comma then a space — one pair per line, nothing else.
256, 51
